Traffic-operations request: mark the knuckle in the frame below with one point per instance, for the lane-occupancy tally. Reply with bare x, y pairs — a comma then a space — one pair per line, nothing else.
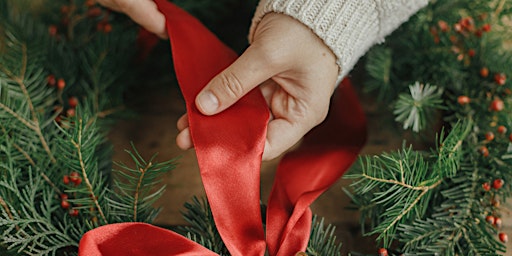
231, 86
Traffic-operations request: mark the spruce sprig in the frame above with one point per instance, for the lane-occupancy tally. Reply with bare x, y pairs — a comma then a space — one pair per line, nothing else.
135, 189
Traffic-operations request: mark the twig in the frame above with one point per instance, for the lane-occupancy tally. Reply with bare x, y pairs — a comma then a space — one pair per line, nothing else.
51, 183
499, 9
136, 196
78, 146
6, 208
421, 188
25, 154
401, 215
15, 115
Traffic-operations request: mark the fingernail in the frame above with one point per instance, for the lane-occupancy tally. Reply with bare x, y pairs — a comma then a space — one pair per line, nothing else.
207, 102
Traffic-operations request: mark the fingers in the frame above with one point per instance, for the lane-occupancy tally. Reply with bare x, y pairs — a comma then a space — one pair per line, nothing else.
182, 122
183, 140
247, 72
143, 12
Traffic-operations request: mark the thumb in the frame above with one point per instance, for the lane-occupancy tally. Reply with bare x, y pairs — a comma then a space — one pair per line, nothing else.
247, 72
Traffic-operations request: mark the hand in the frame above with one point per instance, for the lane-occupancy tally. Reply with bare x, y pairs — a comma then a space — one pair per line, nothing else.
296, 73
144, 12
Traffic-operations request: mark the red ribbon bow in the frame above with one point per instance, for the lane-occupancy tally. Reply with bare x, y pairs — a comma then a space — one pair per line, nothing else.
229, 147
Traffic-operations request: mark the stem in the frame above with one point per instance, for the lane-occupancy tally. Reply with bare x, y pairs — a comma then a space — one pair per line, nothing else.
499, 9
136, 196
51, 183
401, 215
420, 188
78, 146
15, 115
25, 154
6, 208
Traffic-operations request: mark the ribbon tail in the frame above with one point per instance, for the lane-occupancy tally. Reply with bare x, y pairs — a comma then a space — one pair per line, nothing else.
303, 175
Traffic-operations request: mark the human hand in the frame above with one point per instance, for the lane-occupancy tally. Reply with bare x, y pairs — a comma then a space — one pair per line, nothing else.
144, 12
296, 73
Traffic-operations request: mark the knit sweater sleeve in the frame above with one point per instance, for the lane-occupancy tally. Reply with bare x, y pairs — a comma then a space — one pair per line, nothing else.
348, 27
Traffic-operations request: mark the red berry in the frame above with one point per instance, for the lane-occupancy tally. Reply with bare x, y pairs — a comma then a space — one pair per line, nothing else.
486, 27
64, 204
61, 84
73, 176
463, 100
65, 179
489, 136
64, 196
486, 186
498, 183
107, 28
490, 219
443, 25
90, 3
471, 52
73, 102
484, 151
500, 78
100, 26
467, 23
52, 30
383, 252
70, 112
64, 9
478, 33
497, 105
484, 72
498, 223
503, 237
78, 181
94, 12
510, 137
502, 129
51, 80
73, 212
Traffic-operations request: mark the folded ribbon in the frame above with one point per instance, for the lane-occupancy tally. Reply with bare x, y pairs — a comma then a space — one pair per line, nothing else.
229, 147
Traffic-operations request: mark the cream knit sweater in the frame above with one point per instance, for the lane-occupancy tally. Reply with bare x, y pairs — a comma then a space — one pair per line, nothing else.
348, 27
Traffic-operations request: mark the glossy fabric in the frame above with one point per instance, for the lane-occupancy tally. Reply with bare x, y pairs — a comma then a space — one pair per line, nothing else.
229, 147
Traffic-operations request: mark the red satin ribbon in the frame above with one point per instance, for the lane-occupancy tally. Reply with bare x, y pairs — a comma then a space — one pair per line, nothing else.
229, 147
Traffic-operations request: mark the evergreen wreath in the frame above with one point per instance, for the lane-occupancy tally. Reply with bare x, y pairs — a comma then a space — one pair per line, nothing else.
65, 64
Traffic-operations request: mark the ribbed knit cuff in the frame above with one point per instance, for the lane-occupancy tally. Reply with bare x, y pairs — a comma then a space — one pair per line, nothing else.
348, 27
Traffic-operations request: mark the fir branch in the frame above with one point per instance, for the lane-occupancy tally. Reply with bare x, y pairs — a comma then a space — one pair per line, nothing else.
78, 146
137, 189
20, 81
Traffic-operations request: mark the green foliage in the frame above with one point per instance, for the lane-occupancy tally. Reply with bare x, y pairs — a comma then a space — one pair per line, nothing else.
392, 189
136, 189
463, 47
55, 162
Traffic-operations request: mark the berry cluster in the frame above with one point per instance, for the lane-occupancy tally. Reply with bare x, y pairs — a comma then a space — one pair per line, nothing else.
73, 179
73, 14
72, 100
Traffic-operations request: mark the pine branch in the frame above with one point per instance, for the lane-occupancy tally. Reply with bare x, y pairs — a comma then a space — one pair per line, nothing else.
78, 146
136, 189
